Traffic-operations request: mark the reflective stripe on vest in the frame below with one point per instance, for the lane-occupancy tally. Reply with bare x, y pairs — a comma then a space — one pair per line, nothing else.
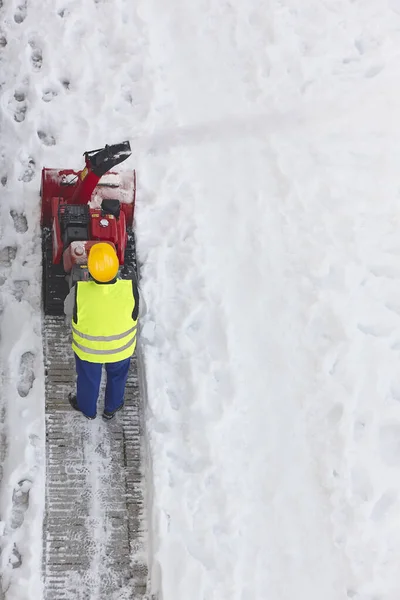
103, 338
104, 330
104, 352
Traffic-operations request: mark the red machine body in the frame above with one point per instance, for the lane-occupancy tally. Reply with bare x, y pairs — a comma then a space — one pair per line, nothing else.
65, 184
96, 191
102, 226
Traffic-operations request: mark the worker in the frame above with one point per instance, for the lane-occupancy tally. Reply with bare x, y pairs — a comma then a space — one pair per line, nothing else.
104, 313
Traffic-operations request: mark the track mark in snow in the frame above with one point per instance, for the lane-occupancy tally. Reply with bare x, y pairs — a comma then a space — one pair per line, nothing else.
7, 255
48, 94
393, 307
20, 502
19, 106
127, 95
28, 170
3, 41
36, 56
4, 180
26, 374
20, 222
66, 83
46, 138
20, 288
383, 505
15, 558
335, 414
389, 444
20, 14
34, 440
373, 71
19, 95
359, 45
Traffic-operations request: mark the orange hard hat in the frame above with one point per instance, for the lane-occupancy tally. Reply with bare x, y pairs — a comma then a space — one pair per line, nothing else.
103, 262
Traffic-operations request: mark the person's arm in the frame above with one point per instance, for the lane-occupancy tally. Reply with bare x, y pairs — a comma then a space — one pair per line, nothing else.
69, 303
140, 304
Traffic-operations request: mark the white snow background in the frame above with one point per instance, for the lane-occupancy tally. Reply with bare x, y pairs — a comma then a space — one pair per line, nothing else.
266, 141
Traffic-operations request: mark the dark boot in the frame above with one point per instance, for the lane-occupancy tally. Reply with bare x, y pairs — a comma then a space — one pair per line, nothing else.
110, 415
73, 402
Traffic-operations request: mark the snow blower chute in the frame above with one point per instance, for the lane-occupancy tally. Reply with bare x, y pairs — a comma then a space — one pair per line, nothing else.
80, 208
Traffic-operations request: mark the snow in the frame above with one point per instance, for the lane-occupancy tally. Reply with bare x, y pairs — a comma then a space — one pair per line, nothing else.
265, 139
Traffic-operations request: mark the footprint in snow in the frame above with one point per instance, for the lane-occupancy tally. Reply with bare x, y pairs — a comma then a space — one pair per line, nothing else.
26, 374
21, 12
46, 138
20, 106
28, 170
3, 41
20, 502
383, 505
20, 222
48, 94
335, 414
34, 440
127, 96
36, 56
66, 83
20, 289
374, 71
15, 558
3, 180
7, 255
393, 306
360, 45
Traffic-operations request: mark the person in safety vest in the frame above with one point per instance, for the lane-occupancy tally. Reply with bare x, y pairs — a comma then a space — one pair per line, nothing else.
104, 324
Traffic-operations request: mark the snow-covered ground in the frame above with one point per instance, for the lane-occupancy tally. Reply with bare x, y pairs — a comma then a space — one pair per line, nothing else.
265, 138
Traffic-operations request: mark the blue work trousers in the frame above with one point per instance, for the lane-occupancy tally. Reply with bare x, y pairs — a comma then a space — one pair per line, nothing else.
88, 384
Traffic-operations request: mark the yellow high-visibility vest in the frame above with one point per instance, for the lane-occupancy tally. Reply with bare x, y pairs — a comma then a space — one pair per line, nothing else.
103, 328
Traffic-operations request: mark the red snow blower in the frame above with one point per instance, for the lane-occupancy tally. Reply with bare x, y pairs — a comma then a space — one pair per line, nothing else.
80, 208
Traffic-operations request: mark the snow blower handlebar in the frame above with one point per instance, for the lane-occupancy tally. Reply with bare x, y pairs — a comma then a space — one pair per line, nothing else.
102, 160
98, 162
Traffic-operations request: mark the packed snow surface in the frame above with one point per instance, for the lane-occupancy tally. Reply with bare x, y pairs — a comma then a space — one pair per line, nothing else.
266, 141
